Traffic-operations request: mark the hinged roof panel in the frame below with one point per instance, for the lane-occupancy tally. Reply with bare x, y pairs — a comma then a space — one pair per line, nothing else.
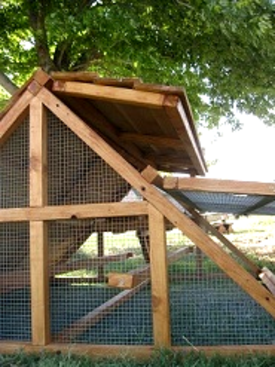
151, 123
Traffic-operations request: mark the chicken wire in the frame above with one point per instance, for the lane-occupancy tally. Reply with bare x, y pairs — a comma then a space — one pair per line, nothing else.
15, 315
207, 307
237, 204
83, 307
76, 174
14, 169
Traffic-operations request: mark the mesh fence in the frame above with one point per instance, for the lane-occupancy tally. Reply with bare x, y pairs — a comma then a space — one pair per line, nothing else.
83, 307
207, 307
222, 202
15, 315
14, 169
76, 174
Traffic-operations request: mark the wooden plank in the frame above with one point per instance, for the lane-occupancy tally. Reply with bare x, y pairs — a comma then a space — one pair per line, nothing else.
181, 161
78, 211
135, 277
15, 115
93, 317
159, 279
41, 77
186, 134
121, 82
84, 76
124, 280
39, 284
245, 280
216, 185
100, 253
141, 352
113, 94
159, 141
151, 175
38, 230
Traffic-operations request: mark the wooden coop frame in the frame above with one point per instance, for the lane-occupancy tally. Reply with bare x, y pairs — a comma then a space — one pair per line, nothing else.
44, 92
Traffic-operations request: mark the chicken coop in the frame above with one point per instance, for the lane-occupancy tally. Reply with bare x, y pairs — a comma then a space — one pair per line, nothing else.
102, 254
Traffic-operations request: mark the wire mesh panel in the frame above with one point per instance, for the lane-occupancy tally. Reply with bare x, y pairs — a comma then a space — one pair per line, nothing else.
84, 308
77, 175
208, 308
222, 202
14, 169
15, 315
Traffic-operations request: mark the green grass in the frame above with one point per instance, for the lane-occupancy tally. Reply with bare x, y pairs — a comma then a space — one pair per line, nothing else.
160, 359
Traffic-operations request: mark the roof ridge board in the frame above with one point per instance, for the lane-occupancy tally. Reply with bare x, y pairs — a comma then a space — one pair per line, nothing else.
84, 76
92, 77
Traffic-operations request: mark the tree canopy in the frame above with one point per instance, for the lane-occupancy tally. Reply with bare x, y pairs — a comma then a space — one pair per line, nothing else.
221, 51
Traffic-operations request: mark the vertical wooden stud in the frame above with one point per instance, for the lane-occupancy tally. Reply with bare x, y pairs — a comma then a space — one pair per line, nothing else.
100, 253
159, 279
38, 229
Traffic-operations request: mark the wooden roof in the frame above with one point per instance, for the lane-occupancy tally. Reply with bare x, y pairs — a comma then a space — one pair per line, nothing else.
146, 123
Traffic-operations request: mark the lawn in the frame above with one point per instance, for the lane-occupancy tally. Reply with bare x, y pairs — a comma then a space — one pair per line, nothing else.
160, 359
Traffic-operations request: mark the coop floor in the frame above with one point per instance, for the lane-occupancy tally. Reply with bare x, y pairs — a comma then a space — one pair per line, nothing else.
199, 316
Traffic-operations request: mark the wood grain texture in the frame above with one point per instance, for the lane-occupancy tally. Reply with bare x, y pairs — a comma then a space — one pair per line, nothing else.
181, 124
38, 229
14, 116
78, 211
142, 352
159, 279
135, 277
112, 94
215, 185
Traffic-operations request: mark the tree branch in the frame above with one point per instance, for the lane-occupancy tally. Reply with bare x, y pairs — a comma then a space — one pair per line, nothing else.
7, 84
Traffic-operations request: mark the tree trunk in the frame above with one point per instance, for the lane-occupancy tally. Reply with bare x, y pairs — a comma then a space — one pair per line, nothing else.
37, 15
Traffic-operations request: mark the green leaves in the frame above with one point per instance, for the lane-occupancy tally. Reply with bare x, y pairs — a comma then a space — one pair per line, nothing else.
222, 51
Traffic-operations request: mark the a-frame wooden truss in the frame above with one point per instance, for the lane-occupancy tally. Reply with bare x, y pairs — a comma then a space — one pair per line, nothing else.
35, 100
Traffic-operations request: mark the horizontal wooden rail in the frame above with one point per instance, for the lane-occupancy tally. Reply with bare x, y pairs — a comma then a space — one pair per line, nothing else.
137, 351
215, 185
115, 95
82, 211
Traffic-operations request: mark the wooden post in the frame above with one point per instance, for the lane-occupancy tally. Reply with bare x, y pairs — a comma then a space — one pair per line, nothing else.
100, 253
159, 279
38, 229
